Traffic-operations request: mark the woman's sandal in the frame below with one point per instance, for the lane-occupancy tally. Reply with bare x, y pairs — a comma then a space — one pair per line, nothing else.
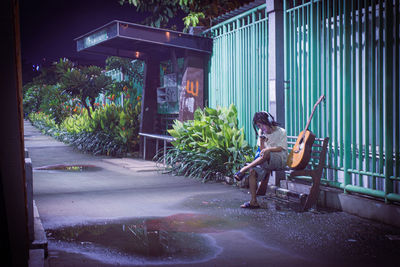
247, 205
239, 176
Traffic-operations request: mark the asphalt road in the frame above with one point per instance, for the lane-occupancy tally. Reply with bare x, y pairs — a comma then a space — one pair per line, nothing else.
127, 212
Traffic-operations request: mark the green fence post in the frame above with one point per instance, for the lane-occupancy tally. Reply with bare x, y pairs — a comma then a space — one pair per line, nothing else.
329, 88
334, 91
347, 98
286, 43
297, 68
388, 100
380, 82
354, 87
314, 71
397, 93
373, 96
360, 113
366, 88
341, 88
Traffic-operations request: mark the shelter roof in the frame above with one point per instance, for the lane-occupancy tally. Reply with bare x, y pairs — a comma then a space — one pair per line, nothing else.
125, 39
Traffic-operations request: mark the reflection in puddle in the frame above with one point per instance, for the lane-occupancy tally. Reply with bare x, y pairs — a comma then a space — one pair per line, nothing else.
280, 205
290, 205
68, 167
285, 207
176, 238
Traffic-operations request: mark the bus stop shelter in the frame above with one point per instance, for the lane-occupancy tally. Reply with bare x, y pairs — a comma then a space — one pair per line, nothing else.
154, 45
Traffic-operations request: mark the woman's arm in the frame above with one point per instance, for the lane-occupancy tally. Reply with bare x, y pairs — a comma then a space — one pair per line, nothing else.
265, 154
254, 163
272, 149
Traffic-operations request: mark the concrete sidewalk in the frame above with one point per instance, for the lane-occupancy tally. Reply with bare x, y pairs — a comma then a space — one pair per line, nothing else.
126, 212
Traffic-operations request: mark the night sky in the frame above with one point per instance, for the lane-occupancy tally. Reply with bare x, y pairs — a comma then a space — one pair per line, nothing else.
48, 27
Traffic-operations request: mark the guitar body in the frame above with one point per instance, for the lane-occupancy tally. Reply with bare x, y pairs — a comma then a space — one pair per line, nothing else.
301, 152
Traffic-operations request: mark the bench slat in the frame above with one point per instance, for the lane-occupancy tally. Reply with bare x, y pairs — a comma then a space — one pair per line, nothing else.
319, 140
314, 144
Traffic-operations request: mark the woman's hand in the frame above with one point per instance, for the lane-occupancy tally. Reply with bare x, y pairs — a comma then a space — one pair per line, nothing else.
263, 137
265, 153
244, 169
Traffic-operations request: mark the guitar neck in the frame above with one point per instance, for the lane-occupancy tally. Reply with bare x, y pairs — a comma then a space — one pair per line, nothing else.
309, 120
312, 113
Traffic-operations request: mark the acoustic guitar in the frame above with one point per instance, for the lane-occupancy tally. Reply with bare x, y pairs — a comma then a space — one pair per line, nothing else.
301, 152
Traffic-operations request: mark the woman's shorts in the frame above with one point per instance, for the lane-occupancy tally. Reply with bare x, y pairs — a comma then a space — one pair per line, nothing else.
277, 161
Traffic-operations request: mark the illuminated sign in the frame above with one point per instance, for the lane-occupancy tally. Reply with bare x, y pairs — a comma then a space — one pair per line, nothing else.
96, 38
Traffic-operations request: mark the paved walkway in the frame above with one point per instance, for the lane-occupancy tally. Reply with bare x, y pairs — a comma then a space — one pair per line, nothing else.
128, 213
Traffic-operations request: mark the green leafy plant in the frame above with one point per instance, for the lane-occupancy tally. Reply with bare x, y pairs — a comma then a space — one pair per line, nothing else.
113, 130
85, 83
45, 92
52, 102
196, 11
45, 123
32, 98
211, 143
193, 19
61, 103
77, 123
132, 69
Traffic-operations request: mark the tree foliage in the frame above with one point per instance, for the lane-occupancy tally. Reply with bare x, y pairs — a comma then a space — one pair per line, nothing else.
133, 76
85, 83
44, 91
61, 101
53, 98
198, 12
131, 69
193, 19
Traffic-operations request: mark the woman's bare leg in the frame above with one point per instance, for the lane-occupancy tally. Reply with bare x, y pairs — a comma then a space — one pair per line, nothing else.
253, 187
262, 188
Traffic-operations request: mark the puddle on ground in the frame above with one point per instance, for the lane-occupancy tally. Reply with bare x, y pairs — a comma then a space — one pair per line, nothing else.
176, 238
289, 205
68, 167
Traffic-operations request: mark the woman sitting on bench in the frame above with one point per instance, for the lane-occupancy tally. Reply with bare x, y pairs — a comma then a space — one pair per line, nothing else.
272, 141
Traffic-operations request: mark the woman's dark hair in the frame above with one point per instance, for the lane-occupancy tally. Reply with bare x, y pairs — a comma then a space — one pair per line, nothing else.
264, 118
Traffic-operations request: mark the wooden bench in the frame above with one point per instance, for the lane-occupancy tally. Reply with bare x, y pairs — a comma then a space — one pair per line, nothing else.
313, 171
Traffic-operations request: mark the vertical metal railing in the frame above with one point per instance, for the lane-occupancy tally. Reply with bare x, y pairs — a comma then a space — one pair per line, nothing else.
349, 51
238, 70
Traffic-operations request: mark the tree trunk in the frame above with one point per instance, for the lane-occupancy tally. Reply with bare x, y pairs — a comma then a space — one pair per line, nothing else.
88, 108
92, 100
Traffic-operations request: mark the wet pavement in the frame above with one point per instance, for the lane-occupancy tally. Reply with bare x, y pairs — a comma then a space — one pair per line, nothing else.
102, 211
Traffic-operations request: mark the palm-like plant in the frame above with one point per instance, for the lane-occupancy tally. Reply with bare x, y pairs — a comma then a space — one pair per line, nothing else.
86, 84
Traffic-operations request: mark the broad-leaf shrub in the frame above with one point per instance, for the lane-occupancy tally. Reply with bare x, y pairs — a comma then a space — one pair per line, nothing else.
120, 122
52, 102
45, 123
211, 143
77, 123
113, 130
32, 98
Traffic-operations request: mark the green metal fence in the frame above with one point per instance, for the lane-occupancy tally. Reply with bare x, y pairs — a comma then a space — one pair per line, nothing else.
238, 71
349, 51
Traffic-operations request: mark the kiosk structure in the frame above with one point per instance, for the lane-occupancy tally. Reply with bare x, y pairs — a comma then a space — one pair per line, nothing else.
175, 95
